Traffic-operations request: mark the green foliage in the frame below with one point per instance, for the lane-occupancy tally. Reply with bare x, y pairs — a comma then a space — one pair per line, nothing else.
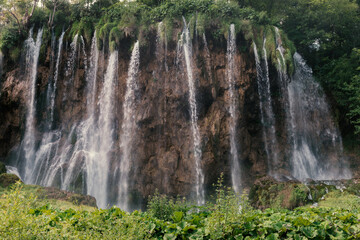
164, 208
136, 19
342, 78
344, 199
23, 216
10, 40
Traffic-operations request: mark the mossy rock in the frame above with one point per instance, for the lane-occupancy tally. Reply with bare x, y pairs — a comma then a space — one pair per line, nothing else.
7, 179
2, 168
269, 193
75, 198
353, 186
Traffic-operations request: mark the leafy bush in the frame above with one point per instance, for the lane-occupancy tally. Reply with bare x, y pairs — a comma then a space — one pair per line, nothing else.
23, 216
164, 208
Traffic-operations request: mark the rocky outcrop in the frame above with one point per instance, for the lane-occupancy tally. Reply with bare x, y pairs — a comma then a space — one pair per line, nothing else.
7, 179
266, 192
77, 199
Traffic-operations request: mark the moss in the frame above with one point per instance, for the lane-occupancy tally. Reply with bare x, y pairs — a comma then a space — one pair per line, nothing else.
290, 49
2, 168
202, 19
115, 36
338, 199
247, 29
299, 196
15, 54
353, 186
104, 31
268, 193
7, 179
192, 26
168, 28
271, 45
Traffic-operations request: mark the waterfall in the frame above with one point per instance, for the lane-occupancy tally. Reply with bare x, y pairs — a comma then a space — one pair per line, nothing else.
280, 49
56, 76
92, 152
98, 166
187, 49
233, 106
51, 138
84, 52
96, 161
32, 57
128, 127
316, 142
266, 110
91, 77
281, 61
72, 57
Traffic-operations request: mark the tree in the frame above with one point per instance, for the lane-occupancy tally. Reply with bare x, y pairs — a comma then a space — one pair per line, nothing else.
20, 11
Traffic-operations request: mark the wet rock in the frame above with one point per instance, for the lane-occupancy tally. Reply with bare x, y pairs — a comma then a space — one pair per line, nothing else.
7, 179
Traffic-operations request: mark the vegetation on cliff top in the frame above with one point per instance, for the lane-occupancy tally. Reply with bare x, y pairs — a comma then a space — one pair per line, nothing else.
326, 33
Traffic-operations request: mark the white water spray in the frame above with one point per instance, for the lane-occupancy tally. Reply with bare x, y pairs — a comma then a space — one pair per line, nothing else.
266, 110
187, 49
312, 129
56, 76
233, 106
32, 57
128, 127
72, 57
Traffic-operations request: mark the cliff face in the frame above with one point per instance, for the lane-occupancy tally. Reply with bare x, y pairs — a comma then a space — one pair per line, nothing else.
162, 142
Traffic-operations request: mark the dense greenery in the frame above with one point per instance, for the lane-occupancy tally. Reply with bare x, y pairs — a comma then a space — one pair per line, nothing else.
25, 217
327, 34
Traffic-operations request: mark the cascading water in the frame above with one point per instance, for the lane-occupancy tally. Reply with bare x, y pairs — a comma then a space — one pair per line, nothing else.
79, 152
316, 143
230, 72
32, 57
128, 127
72, 57
187, 50
95, 139
56, 76
266, 110
84, 52
98, 166
50, 139
91, 76
280, 49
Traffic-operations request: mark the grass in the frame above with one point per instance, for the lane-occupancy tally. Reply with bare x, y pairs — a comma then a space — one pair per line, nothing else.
340, 199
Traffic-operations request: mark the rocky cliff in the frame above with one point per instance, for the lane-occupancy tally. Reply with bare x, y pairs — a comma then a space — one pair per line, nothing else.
162, 155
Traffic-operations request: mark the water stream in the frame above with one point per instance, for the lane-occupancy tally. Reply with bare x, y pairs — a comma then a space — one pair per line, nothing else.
128, 128
32, 57
187, 50
266, 110
233, 110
